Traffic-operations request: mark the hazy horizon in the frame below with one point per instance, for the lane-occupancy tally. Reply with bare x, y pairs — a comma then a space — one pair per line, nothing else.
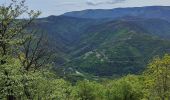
59, 7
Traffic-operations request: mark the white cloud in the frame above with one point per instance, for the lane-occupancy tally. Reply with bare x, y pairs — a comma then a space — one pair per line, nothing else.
58, 7
99, 2
66, 4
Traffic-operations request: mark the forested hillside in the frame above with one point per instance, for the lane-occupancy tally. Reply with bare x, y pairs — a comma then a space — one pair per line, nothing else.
70, 58
106, 47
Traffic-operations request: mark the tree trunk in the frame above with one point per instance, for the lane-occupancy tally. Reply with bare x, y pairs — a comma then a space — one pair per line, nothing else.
10, 97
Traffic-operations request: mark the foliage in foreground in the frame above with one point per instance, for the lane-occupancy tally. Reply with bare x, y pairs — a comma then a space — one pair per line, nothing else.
42, 84
25, 73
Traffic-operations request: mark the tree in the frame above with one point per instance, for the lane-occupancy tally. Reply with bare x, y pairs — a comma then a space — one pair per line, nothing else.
157, 78
25, 59
87, 90
10, 78
21, 58
126, 88
34, 57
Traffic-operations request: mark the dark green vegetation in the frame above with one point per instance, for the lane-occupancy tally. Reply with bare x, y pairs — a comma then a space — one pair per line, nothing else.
98, 47
108, 46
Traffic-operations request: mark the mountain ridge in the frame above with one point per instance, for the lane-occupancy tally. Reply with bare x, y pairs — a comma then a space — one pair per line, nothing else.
122, 41
148, 12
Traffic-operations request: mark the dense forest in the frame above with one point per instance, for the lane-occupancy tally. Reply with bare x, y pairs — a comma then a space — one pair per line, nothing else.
26, 68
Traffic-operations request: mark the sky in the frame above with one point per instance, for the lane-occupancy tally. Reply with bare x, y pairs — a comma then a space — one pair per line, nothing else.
58, 7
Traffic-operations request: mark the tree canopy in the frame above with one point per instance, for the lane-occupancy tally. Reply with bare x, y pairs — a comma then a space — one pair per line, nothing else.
25, 72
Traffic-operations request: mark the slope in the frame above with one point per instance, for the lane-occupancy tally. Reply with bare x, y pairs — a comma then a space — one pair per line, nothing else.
160, 12
118, 48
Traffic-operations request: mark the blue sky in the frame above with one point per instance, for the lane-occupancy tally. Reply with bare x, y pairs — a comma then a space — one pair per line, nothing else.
57, 7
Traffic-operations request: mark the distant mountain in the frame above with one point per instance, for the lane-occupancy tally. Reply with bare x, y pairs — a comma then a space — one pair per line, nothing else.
63, 31
118, 47
160, 12
152, 26
108, 42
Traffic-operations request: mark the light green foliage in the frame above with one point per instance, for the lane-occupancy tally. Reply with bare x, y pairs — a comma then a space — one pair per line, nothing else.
23, 85
157, 78
126, 88
57, 89
10, 78
87, 90
48, 88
